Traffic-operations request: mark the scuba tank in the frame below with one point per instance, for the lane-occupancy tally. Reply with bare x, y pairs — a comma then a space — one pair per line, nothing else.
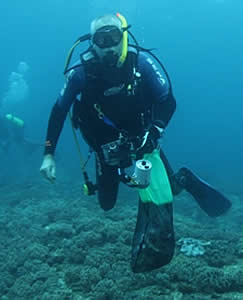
17, 121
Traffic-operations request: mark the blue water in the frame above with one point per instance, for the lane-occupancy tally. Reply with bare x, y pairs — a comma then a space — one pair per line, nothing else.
56, 243
200, 42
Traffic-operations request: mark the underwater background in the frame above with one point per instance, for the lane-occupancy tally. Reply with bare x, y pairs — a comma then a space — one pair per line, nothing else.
57, 243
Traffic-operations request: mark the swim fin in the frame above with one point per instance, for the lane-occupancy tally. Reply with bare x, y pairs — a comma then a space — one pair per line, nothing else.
210, 200
153, 241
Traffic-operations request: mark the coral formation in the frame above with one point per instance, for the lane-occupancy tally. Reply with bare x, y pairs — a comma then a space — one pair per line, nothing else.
57, 249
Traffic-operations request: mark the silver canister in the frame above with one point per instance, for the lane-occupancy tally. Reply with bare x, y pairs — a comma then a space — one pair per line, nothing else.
142, 173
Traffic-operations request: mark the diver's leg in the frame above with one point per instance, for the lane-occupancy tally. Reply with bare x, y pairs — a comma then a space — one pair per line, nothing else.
107, 180
176, 186
208, 198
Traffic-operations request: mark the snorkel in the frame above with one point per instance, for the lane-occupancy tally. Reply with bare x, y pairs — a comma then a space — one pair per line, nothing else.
124, 40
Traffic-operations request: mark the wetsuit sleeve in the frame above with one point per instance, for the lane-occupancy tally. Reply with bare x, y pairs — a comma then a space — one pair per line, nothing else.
156, 90
72, 88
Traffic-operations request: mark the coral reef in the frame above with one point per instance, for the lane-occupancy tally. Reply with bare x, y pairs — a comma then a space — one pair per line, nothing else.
54, 247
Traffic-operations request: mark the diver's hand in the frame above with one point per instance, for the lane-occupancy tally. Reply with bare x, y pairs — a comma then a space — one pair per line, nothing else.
151, 139
48, 168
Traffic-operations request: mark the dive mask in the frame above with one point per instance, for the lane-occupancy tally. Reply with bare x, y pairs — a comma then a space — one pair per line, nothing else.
107, 37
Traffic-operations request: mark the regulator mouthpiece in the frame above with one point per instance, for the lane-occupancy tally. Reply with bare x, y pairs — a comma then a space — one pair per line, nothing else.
142, 173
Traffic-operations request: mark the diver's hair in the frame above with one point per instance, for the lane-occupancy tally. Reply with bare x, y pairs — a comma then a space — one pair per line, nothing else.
106, 20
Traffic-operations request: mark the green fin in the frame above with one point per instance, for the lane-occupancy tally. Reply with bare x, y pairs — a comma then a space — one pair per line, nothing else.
159, 190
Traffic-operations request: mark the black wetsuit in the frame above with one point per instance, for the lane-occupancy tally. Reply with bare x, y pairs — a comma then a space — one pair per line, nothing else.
152, 101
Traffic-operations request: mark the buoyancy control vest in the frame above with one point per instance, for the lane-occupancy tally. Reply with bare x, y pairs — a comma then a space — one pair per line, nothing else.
112, 101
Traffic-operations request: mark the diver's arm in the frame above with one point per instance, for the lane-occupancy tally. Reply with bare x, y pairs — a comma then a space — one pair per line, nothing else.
157, 90
164, 108
59, 112
55, 125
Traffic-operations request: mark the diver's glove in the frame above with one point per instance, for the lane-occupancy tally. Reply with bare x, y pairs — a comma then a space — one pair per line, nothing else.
151, 138
48, 168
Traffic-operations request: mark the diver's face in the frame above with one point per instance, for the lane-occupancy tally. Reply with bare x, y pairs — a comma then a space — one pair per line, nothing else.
107, 43
109, 56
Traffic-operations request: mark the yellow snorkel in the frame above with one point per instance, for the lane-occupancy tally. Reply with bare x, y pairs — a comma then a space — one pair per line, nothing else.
124, 40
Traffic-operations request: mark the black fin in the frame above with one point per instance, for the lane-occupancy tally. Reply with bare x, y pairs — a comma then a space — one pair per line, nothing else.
208, 198
153, 241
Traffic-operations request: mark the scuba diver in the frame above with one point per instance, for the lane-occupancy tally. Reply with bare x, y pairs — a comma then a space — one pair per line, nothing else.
12, 133
122, 104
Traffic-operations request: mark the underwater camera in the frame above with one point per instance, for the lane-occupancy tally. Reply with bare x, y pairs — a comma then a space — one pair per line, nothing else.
118, 153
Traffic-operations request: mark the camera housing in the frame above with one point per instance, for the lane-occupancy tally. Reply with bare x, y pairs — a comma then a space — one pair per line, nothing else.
118, 153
